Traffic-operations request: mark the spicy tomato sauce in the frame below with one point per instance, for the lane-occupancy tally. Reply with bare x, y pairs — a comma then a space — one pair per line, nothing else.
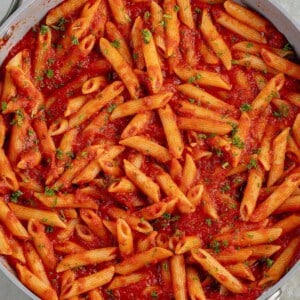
211, 170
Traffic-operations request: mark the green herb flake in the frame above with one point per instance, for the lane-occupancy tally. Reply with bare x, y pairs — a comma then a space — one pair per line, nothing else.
116, 44
49, 229
287, 47
19, 117
252, 164
111, 108
59, 154
154, 294
3, 106
208, 222
225, 188
49, 191
202, 136
60, 25
269, 262
147, 15
176, 8
215, 246
237, 142
75, 40
245, 107
225, 165
49, 73
30, 132
282, 112
249, 45
146, 34
44, 29
197, 10
15, 196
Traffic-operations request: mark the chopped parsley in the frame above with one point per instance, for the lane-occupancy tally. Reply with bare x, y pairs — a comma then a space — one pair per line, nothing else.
176, 8
30, 132
60, 25
252, 164
202, 136
287, 47
15, 196
49, 191
154, 294
49, 73
225, 188
44, 29
249, 45
111, 108
59, 154
75, 40
168, 217
19, 117
208, 221
3, 106
147, 15
215, 246
245, 107
115, 43
49, 229
237, 142
194, 78
146, 34
225, 165
282, 112
269, 262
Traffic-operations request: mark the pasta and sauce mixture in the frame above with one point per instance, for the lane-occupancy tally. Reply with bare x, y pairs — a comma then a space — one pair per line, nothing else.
150, 150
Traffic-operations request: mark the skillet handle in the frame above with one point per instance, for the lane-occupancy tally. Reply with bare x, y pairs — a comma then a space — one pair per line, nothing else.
13, 6
275, 296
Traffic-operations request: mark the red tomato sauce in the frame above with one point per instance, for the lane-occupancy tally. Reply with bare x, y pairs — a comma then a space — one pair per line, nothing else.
210, 170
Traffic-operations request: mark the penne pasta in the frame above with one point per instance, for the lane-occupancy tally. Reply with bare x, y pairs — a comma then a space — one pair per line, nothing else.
215, 40
216, 270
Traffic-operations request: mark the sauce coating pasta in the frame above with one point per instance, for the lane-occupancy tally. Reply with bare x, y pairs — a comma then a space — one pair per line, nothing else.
150, 150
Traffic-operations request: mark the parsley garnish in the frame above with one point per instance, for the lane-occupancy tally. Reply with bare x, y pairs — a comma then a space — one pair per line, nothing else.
74, 40
215, 245
59, 154
49, 229
60, 25
287, 47
237, 142
19, 117
146, 34
282, 112
111, 108
269, 262
147, 15
249, 45
252, 164
49, 73
225, 188
208, 222
44, 29
15, 195
176, 8
154, 294
245, 107
115, 44
49, 191
194, 78
3, 106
